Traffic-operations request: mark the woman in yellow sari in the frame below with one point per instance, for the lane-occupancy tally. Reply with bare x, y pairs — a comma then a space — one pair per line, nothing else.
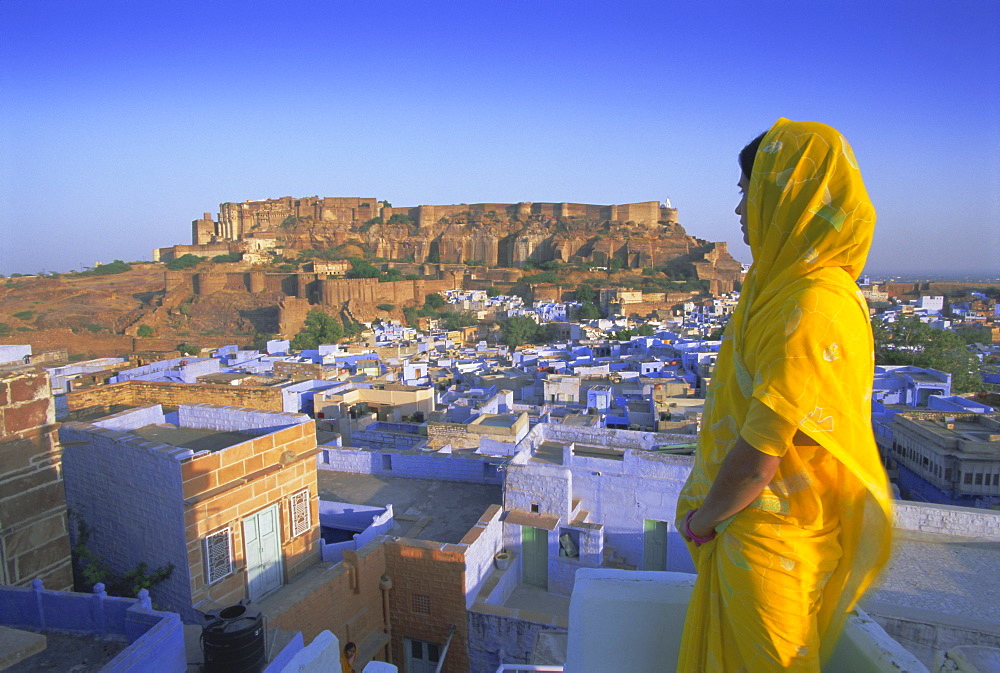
787, 511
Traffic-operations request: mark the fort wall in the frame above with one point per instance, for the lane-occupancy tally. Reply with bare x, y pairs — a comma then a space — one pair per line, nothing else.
138, 393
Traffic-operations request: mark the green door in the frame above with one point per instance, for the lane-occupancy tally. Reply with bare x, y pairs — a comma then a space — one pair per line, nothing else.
654, 556
535, 551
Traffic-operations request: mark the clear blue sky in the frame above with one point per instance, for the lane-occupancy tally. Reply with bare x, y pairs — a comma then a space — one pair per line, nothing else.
120, 122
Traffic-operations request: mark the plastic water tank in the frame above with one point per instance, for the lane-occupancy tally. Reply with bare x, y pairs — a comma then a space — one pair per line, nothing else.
233, 640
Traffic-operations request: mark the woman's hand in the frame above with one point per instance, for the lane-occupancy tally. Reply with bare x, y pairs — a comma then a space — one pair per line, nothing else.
700, 527
743, 475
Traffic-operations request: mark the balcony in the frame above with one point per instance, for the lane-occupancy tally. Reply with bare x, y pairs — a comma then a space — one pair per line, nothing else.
637, 617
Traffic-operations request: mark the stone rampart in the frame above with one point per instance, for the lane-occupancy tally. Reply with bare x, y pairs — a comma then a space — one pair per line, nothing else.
139, 393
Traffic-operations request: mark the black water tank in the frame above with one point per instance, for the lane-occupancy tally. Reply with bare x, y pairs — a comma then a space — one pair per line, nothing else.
232, 640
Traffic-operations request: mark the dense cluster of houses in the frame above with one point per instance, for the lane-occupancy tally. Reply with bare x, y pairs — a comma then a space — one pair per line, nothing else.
269, 475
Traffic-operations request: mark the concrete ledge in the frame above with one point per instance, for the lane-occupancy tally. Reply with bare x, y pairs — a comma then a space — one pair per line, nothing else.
17, 645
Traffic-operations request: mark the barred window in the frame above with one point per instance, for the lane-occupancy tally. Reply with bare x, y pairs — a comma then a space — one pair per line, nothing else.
218, 556
299, 511
420, 604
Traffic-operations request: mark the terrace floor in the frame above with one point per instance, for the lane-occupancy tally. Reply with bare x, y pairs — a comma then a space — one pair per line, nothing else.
424, 509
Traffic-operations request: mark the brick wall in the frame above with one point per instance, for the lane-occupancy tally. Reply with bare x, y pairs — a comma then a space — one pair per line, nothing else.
34, 541
346, 598
428, 597
222, 488
136, 393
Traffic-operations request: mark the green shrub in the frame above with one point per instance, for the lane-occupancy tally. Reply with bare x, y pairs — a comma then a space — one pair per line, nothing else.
24, 315
386, 307
144, 331
228, 258
185, 261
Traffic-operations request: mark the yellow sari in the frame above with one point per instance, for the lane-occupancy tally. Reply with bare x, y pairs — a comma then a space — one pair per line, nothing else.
775, 585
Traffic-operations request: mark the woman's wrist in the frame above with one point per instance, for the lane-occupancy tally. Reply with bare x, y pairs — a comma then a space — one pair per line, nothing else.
692, 532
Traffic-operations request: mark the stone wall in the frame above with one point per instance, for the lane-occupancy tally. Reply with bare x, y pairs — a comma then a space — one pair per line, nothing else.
127, 492
947, 520
156, 639
415, 466
222, 488
344, 598
34, 541
137, 393
428, 597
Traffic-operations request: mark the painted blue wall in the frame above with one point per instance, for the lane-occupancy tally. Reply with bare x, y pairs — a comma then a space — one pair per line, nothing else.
128, 491
156, 638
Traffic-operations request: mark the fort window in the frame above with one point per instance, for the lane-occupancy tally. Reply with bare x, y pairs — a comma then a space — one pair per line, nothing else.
979, 480
968, 478
534, 508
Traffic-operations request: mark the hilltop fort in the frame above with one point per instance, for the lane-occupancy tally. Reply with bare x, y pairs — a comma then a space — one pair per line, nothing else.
628, 236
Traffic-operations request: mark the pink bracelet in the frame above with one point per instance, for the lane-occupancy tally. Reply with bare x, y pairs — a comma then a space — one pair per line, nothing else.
692, 536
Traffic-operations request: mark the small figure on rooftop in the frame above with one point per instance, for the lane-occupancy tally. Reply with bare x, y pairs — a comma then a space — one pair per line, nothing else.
787, 510
347, 658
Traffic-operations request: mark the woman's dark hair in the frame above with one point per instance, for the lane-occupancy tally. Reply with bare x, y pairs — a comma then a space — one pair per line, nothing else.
349, 646
749, 153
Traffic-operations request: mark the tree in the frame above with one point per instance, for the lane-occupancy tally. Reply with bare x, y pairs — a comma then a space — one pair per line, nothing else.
144, 331
228, 258
586, 293
183, 262
910, 341
434, 300
518, 330
588, 312
361, 268
646, 330
188, 349
391, 275
492, 291
320, 328
459, 319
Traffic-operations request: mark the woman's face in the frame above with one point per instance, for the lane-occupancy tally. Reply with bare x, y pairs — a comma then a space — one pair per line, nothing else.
741, 209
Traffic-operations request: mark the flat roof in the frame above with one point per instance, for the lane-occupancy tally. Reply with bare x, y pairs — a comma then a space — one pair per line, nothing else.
424, 509
498, 420
941, 574
196, 439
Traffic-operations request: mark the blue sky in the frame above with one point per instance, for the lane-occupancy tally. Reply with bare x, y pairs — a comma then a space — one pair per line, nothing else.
120, 122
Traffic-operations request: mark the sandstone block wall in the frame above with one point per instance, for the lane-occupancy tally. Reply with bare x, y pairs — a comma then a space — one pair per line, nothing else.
346, 599
34, 541
428, 597
137, 393
222, 488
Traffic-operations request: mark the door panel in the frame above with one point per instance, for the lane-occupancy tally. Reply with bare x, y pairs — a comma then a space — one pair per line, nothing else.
262, 541
535, 549
654, 555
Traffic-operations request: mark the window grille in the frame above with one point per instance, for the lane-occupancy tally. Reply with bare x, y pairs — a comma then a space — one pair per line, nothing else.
420, 604
299, 508
218, 556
